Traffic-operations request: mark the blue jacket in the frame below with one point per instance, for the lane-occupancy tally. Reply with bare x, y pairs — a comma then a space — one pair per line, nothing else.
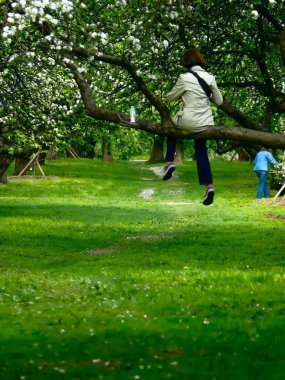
263, 159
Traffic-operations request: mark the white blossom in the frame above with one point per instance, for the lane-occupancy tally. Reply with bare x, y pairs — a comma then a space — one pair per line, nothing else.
255, 14
165, 43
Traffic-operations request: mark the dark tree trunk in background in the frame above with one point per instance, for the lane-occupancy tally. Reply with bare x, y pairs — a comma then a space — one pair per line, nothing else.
89, 146
243, 155
20, 164
106, 151
5, 161
42, 158
90, 153
179, 151
75, 150
3, 179
52, 153
157, 150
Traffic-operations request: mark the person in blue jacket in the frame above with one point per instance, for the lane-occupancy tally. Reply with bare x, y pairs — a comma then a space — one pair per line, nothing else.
261, 163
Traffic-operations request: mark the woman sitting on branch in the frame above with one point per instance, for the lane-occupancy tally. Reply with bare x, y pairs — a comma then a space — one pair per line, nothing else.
196, 88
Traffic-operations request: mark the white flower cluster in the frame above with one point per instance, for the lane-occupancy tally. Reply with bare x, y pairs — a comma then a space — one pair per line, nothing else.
158, 46
280, 166
135, 41
173, 15
36, 8
31, 10
103, 36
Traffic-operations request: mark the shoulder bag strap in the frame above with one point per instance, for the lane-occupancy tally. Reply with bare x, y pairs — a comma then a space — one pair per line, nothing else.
202, 83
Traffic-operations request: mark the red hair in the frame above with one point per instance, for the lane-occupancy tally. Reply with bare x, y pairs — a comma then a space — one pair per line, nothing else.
193, 57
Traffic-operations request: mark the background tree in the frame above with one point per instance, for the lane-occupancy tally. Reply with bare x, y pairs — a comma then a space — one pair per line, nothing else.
115, 63
243, 44
36, 95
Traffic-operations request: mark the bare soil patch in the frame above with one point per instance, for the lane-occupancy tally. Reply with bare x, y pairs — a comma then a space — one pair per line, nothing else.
31, 177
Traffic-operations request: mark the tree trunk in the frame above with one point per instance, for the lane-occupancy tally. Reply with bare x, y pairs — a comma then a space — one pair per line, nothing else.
106, 151
3, 179
20, 163
157, 150
52, 153
42, 158
243, 155
75, 150
179, 151
90, 148
90, 153
5, 161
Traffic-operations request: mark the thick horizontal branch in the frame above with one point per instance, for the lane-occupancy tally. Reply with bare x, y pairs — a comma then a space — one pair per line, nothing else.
252, 135
269, 140
228, 108
242, 135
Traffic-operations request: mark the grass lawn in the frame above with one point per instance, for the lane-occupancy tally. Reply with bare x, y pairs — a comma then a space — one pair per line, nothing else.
107, 272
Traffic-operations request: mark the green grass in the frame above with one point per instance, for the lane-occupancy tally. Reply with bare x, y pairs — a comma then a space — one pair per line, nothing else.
98, 282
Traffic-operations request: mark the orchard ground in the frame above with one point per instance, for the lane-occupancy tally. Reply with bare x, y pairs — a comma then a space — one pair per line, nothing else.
107, 272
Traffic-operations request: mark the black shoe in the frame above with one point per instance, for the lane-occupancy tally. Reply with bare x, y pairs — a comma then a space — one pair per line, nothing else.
168, 170
209, 196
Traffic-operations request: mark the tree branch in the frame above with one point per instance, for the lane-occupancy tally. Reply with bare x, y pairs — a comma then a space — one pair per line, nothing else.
282, 45
239, 116
245, 84
132, 70
242, 135
221, 149
262, 10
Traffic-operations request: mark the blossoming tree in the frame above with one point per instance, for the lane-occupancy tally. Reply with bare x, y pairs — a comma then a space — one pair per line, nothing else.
122, 53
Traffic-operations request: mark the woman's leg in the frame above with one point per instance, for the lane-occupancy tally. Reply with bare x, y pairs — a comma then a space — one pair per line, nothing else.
170, 149
204, 170
170, 155
203, 163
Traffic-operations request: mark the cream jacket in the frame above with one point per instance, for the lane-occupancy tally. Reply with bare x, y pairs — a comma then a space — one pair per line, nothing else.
196, 114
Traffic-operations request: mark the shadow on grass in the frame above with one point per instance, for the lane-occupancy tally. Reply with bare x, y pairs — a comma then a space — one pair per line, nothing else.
66, 234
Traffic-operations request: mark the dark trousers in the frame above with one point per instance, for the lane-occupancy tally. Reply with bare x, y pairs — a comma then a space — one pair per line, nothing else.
202, 160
